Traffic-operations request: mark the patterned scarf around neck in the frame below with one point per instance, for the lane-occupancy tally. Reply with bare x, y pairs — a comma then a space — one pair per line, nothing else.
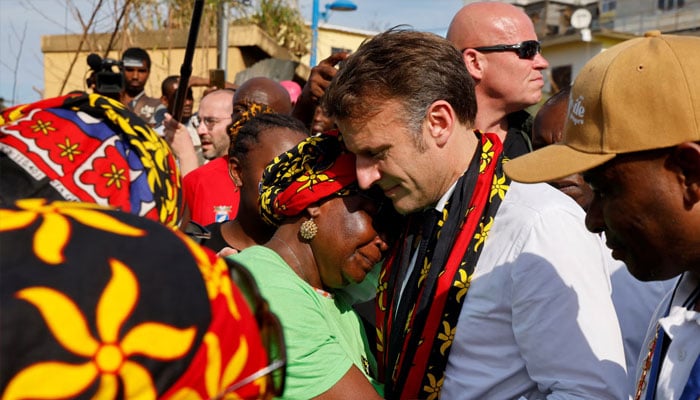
414, 358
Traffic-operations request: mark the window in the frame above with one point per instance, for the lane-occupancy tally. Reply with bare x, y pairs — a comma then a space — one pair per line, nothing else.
608, 6
666, 5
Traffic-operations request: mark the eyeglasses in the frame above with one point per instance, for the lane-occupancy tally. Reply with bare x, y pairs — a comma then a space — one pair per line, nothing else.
209, 122
270, 333
526, 50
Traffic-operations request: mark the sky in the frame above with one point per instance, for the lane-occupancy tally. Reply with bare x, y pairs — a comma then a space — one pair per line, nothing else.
23, 22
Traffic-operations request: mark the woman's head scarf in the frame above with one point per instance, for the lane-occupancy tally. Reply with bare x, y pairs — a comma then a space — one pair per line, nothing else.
97, 303
90, 148
240, 118
319, 167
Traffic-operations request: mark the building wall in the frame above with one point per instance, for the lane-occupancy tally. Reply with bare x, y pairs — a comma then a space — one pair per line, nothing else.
570, 54
330, 37
247, 45
164, 62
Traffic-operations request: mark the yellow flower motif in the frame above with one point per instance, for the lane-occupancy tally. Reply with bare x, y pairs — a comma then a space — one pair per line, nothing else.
407, 327
216, 277
433, 387
381, 292
424, 271
69, 150
311, 179
463, 284
486, 156
108, 356
53, 234
483, 233
380, 340
441, 222
44, 127
499, 187
447, 336
115, 176
215, 381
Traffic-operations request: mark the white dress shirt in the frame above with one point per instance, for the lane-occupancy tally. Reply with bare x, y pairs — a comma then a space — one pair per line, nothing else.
682, 327
635, 303
538, 321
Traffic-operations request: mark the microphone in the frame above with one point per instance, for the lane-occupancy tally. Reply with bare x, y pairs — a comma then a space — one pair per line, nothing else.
94, 61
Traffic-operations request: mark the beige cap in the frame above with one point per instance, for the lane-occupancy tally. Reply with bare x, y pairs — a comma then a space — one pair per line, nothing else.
641, 94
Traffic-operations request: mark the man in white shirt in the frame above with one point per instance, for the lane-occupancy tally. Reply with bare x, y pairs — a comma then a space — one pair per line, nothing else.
635, 301
493, 290
636, 139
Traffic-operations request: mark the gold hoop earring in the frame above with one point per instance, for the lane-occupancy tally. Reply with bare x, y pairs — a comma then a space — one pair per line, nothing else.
308, 230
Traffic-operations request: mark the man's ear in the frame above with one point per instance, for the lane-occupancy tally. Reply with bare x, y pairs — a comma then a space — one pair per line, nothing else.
440, 119
234, 171
686, 156
475, 63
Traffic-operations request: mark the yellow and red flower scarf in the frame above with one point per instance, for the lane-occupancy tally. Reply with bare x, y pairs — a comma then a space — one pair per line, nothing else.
413, 346
317, 168
98, 303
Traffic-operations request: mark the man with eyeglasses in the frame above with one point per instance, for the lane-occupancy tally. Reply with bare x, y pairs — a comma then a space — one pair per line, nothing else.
208, 195
500, 49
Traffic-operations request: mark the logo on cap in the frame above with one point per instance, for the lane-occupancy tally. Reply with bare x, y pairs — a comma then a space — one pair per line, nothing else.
576, 111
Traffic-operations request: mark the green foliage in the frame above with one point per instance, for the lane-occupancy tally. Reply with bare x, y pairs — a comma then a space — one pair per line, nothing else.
284, 23
177, 14
278, 18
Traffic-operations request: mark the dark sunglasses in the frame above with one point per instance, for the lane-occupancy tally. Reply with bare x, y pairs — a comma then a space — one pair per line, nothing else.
526, 50
270, 333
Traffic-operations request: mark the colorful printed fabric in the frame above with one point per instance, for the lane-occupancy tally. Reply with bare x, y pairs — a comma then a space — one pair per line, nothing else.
97, 303
249, 112
87, 147
414, 337
318, 167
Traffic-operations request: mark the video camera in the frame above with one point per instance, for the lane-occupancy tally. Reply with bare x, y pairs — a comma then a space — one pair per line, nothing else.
108, 81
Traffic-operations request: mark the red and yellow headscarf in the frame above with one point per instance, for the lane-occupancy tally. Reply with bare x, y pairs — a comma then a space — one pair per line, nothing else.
317, 168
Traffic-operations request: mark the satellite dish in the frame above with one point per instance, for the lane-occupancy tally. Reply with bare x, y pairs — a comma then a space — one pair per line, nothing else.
581, 18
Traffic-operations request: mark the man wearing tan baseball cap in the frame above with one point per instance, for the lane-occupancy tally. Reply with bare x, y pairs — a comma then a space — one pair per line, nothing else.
633, 129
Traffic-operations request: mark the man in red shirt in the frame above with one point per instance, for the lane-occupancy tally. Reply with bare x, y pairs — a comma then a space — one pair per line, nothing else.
210, 195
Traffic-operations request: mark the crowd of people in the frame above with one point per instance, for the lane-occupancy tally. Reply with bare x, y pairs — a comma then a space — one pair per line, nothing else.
400, 227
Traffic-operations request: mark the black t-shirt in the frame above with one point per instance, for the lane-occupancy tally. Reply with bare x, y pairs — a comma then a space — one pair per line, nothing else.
216, 242
518, 140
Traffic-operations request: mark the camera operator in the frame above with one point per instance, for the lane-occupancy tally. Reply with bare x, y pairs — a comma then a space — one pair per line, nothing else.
136, 66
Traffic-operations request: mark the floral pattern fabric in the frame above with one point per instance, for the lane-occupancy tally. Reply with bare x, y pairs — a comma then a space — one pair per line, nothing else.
414, 336
87, 147
98, 303
318, 167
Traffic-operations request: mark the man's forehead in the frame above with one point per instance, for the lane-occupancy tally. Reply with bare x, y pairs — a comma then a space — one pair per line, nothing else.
215, 104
